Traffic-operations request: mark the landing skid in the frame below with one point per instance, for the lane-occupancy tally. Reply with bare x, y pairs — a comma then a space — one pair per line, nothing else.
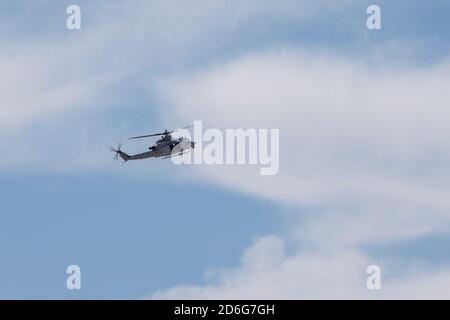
176, 154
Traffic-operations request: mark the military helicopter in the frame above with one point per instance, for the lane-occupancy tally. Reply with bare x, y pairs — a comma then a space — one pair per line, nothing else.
165, 147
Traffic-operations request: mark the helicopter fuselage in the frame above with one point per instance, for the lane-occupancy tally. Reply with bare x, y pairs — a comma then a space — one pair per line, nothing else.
165, 147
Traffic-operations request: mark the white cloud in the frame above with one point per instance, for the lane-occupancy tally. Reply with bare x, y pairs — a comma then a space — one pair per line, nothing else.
352, 135
56, 74
267, 272
364, 147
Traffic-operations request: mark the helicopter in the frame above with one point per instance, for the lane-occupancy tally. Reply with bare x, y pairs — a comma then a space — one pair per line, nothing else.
165, 147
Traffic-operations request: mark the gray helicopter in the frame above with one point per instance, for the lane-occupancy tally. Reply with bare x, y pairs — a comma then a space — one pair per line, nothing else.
165, 147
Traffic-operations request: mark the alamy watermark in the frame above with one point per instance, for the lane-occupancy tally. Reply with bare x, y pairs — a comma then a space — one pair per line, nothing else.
231, 147
73, 21
73, 281
373, 21
374, 279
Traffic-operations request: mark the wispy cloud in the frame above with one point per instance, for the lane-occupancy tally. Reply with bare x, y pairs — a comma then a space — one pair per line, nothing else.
364, 145
352, 134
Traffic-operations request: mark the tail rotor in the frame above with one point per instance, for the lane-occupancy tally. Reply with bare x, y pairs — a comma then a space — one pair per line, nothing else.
117, 151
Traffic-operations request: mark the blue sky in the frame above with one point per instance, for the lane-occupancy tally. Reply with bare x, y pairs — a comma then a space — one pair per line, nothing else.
356, 186
130, 237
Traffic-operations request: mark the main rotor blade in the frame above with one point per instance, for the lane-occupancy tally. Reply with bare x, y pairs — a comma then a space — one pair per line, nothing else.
187, 127
158, 134
149, 135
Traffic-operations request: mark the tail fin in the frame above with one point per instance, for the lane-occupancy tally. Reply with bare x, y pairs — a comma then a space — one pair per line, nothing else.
124, 156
